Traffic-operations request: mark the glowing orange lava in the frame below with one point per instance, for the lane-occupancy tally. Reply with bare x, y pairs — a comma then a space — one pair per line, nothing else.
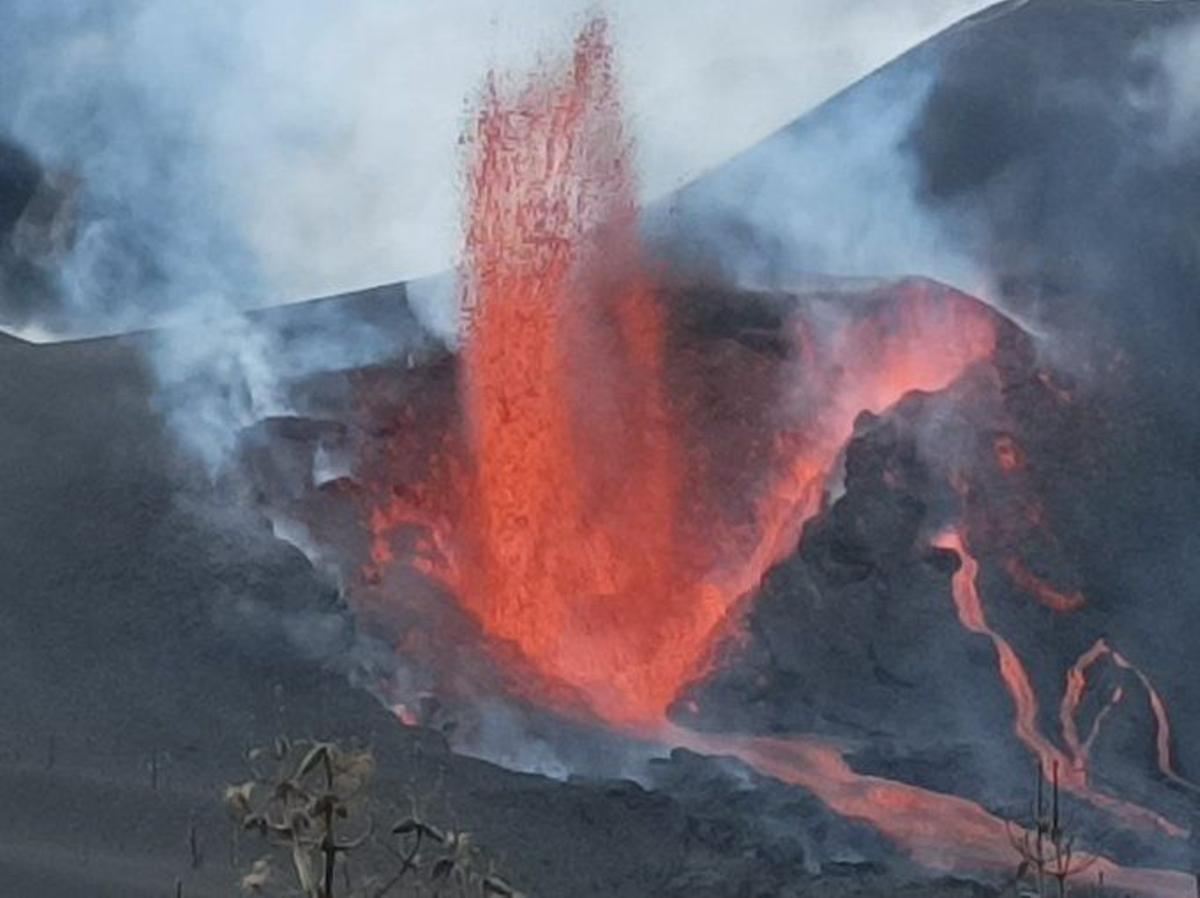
1074, 775
1073, 697
1054, 599
568, 527
942, 832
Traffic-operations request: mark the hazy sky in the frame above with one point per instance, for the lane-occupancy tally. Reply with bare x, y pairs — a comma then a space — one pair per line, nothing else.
702, 79
376, 94
290, 148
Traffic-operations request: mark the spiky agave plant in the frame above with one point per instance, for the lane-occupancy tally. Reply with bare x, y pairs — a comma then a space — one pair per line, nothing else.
311, 803
455, 860
311, 800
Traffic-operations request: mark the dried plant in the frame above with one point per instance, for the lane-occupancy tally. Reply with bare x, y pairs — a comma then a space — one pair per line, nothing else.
307, 804
311, 801
1049, 857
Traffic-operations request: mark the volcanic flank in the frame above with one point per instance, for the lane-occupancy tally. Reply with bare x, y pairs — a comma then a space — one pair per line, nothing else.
845, 538
596, 487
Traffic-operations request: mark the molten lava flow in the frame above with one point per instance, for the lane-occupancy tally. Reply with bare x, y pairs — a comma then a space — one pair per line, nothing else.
1073, 697
969, 605
942, 832
864, 364
1052, 598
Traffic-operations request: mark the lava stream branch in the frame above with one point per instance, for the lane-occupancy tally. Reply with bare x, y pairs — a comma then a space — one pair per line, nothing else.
1073, 697
1073, 769
941, 832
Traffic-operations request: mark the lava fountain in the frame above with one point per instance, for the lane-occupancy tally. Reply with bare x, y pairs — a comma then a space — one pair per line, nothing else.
570, 516
577, 514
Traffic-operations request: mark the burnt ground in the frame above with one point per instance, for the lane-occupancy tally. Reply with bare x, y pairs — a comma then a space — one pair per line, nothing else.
148, 639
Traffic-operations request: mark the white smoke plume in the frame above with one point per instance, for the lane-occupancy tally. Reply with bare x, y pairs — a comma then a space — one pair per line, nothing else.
1177, 53
245, 153
835, 196
210, 157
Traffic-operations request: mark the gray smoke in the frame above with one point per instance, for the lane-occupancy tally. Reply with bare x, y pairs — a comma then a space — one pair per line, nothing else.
836, 194
102, 97
221, 155
174, 163
1177, 52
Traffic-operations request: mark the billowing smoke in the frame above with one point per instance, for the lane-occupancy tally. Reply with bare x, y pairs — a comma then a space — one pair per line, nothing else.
178, 162
102, 98
834, 195
1178, 53
233, 154
1064, 168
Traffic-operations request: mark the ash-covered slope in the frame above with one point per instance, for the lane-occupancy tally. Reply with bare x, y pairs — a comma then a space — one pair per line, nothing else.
865, 633
859, 635
153, 628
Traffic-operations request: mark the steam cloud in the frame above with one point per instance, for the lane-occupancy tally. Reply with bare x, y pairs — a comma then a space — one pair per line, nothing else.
177, 162
1179, 51
836, 194
230, 154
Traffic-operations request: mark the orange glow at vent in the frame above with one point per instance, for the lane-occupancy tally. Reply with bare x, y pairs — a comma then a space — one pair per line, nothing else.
572, 507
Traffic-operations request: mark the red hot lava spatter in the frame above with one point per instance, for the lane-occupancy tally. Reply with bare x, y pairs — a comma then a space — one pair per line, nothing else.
568, 540
561, 529
569, 523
